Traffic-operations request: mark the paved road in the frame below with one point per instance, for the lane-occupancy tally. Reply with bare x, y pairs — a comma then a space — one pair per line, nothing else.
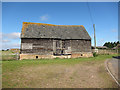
114, 66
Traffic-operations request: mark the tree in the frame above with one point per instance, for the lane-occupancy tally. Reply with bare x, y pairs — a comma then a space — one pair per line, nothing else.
118, 42
111, 44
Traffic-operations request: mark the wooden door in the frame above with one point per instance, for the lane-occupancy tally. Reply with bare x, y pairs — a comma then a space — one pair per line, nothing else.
57, 47
61, 47
67, 47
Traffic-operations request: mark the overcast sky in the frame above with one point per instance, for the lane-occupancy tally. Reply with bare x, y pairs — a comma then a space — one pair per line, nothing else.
104, 15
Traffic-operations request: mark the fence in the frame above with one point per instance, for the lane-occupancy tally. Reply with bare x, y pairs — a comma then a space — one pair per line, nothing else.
106, 51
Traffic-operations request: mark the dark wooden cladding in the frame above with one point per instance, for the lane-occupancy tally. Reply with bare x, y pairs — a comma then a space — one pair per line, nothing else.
51, 46
34, 40
81, 45
39, 46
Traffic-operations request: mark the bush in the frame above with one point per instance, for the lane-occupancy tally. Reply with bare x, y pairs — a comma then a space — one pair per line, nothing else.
57, 58
95, 54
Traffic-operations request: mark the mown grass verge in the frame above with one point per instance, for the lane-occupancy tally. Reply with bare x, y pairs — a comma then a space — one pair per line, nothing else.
40, 72
11, 65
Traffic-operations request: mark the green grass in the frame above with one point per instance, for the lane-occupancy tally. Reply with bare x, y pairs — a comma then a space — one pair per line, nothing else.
11, 65
8, 57
49, 69
6, 52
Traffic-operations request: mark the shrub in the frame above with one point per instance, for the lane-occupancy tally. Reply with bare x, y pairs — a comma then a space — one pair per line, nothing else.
95, 54
57, 58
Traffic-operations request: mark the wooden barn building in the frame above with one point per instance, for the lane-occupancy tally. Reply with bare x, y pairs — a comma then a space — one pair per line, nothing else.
40, 40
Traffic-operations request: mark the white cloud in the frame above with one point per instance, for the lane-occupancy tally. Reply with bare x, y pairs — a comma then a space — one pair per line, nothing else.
5, 41
12, 45
10, 40
13, 35
44, 18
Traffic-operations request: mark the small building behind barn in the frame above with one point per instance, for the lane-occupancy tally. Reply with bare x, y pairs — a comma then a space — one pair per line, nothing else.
14, 49
40, 40
102, 47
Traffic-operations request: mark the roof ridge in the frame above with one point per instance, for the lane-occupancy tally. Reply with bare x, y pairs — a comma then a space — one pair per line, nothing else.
51, 24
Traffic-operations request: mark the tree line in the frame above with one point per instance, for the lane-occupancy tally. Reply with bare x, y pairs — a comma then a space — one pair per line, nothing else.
111, 44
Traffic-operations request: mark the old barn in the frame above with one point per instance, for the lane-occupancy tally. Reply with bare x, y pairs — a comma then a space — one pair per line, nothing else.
40, 40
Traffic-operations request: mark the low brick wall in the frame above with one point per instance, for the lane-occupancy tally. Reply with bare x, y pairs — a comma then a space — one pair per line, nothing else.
77, 55
105, 51
28, 56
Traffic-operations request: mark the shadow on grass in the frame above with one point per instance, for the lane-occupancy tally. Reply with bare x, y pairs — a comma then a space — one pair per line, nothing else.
10, 60
117, 57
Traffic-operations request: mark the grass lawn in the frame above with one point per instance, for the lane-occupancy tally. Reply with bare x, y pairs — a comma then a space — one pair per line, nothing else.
8, 55
57, 73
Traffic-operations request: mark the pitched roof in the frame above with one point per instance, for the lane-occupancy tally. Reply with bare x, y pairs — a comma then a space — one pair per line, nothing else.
117, 47
41, 30
103, 47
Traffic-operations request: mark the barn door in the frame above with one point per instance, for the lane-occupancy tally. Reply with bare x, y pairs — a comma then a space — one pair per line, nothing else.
57, 47
61, 47
67, 47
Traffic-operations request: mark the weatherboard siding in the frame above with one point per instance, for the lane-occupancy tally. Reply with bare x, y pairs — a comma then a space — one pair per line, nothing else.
79, 46
37, 46
47, 46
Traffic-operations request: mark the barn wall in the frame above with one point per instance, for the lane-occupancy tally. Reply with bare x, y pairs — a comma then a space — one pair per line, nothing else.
80, 46
43, 48
37, 46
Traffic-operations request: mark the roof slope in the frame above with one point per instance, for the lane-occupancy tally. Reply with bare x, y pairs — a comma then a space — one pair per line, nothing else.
40, 30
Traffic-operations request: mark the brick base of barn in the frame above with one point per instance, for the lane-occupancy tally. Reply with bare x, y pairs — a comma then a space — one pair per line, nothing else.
75, 55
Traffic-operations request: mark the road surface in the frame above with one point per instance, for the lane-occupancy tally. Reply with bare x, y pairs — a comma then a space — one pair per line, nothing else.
114, 66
